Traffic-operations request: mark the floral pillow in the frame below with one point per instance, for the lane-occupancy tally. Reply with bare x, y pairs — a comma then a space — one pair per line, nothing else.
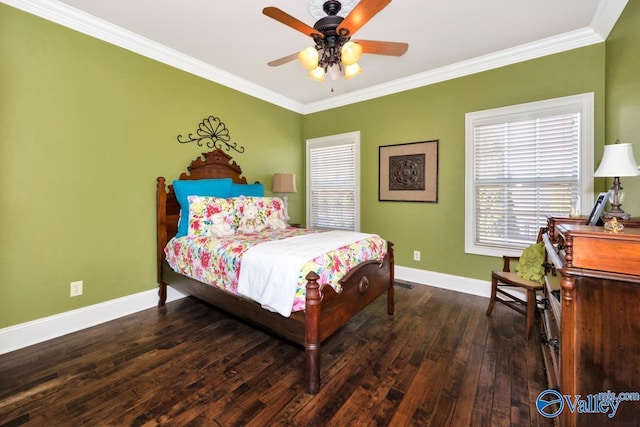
267, 206
203, 208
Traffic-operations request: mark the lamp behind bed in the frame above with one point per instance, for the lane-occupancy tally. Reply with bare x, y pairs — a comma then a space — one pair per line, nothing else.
284, 183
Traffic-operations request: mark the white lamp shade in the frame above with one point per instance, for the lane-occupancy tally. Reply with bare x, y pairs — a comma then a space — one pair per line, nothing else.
284, 183
351, 53
351, 71
308, 58
317, 74
617, 161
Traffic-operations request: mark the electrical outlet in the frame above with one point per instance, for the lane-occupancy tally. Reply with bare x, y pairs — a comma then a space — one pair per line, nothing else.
76, 288
416, 255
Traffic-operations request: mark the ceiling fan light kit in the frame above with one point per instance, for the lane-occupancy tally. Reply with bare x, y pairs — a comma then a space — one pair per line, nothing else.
308, 58
317, 74
351, 53
334, 51
352, 70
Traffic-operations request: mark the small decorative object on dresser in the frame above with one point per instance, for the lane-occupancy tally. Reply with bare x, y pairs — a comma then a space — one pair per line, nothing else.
614, 226
596, 211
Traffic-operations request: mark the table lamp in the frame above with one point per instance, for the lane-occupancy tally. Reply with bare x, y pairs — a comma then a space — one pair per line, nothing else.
284, 183
617, 161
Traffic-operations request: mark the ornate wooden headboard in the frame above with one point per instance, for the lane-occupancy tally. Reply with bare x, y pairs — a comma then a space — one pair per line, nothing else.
214, 164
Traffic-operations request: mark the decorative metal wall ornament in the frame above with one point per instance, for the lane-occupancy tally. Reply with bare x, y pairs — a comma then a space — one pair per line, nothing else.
214, 133
408, 172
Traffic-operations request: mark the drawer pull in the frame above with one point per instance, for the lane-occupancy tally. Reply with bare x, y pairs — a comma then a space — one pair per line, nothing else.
553, 342
549, 267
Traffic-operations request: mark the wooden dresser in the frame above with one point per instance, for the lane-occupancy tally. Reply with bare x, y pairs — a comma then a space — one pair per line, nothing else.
591, 321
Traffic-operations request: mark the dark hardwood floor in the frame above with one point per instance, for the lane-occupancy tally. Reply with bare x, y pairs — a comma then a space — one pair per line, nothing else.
439, 361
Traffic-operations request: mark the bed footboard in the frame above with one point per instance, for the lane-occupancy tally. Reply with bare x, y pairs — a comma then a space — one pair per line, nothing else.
326, 311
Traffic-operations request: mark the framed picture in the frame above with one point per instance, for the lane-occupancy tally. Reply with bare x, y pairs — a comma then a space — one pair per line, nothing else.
408, 172
598, 207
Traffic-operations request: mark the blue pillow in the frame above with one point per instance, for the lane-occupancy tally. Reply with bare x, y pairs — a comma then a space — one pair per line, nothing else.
255, 190
198, 187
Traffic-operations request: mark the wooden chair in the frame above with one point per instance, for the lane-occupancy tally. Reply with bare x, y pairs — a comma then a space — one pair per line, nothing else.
506, 280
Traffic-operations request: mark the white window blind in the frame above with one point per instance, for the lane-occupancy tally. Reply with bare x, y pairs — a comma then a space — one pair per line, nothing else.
524, 170
524, 166
333, 183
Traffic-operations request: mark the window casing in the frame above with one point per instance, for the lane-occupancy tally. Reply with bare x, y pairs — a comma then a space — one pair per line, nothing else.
333, 182
522, 163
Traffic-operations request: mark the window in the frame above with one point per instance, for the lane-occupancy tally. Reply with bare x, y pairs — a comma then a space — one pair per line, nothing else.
523, 162
333, 182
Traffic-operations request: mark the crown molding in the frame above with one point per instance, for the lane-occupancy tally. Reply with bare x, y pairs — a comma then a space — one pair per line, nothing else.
606, 16
603, 22
538, 49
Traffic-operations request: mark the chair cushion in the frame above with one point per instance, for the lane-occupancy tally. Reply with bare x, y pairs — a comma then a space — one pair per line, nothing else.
512, 278
530, 264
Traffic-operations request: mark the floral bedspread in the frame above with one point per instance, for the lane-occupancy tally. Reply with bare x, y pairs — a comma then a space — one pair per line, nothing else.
217, 261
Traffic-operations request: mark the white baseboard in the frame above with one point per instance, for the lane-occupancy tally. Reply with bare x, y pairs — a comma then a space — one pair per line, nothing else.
39, 330
36, 331
446, 281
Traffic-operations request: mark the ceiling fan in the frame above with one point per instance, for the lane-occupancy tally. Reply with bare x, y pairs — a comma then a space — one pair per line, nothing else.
334, 50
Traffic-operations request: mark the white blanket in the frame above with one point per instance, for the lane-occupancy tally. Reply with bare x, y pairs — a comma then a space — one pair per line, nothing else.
270, 271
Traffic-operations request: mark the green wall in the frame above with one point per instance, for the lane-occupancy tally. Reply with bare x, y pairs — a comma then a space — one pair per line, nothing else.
438, 112
623, 95
85, 129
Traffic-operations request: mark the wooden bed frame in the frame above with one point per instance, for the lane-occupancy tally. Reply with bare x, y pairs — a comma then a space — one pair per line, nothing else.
325, 310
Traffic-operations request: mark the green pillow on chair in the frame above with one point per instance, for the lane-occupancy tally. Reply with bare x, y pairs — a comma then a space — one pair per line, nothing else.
530, 264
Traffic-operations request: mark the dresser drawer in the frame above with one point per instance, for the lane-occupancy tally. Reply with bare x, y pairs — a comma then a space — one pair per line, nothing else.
593, 248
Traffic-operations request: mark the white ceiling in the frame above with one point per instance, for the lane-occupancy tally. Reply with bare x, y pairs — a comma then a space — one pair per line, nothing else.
231, 42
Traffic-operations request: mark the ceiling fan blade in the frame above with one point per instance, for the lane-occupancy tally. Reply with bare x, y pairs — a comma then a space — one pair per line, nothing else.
286, 19
360, 15
383, 48
283, 60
